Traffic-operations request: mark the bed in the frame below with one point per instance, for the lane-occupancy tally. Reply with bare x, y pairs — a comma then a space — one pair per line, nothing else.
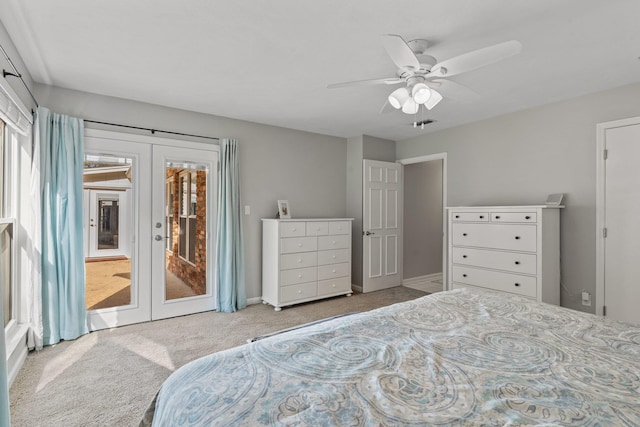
453, 358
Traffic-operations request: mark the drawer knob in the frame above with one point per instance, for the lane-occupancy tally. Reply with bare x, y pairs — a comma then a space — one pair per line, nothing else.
517, 262
333, 271
333, 285
527, 217
334, 242
333, 256
457, 216
497, 216
299, 276
517, 284
481, 216
517, 237
299, 291
299, 260
464, 275
299, 245
464, 234
464, 256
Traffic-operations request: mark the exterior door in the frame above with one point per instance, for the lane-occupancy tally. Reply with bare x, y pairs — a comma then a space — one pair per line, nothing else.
184, 196
107, 221
382, 225
621, 213
166, 220
118, 291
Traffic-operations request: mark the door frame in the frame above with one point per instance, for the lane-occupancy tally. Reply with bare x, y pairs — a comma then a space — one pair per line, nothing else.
101, 319
399, 220
428, 158
601, 129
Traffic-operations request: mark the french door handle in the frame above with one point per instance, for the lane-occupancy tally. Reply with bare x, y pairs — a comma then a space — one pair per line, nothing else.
368, 233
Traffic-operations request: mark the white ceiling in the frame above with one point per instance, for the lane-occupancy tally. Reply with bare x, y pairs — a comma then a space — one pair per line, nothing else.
270, 61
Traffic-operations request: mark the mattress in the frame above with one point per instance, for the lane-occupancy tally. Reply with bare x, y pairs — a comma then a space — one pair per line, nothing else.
461, 357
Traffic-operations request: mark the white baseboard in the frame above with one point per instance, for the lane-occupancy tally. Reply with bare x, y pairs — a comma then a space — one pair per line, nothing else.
356, 288
16, 362
424, 283
257, 300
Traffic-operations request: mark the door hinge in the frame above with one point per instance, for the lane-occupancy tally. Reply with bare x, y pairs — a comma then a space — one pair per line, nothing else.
604, 310
604, 232
605, 154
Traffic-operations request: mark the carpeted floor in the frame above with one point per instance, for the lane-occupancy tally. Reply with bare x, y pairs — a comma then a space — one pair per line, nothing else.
107, 378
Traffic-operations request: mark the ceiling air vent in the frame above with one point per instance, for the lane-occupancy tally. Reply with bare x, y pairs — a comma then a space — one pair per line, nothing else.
422, 123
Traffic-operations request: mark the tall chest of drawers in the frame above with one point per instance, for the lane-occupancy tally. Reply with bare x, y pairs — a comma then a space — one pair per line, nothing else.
305, 260
514, 249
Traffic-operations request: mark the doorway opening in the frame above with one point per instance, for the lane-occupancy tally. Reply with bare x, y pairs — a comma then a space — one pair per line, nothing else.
425, 225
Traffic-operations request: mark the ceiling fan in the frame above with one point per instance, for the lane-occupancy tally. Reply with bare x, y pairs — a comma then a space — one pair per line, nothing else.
422, 74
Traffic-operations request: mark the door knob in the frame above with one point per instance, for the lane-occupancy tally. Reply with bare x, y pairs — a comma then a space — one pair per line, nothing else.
368, 233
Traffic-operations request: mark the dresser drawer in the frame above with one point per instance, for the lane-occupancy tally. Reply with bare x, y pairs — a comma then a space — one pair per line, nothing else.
298, 244
298, 275
298, 260
333, 270
292, 229
298, 292
333, 257
332, 286
317, 228
470, 216
510, 261
499, 281
513, 217
498, 236
339, 227
333, 242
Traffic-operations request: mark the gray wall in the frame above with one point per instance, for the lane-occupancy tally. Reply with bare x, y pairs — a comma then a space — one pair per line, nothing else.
275, 163
522, 157
354, 205
422, 219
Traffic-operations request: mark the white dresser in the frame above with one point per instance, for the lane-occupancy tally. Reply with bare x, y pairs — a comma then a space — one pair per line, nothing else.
305, 259
513, 249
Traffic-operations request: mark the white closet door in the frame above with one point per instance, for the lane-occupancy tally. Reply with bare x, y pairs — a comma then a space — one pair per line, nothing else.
622, 218
382, 225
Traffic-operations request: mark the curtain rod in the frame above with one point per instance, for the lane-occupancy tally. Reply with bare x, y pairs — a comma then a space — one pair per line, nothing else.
15, 73
153, 131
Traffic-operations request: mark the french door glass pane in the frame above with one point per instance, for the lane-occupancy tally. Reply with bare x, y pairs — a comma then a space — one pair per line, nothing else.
109, 218
6, 237
186, 257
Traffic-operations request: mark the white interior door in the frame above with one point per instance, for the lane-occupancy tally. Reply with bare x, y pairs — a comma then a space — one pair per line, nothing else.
622, 210
184, 196
382, 225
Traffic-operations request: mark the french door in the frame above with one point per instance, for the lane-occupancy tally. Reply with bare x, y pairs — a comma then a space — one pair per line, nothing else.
165, 221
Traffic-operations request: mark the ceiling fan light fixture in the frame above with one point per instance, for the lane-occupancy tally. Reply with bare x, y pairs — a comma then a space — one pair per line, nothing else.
398, 97
433, 99
421, 93
410, 106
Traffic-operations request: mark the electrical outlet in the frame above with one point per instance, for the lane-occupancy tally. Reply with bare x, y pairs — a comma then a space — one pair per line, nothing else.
247, 210
586, 299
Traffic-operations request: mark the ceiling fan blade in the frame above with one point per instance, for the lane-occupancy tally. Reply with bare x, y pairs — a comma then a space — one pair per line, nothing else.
387, 108
400, 53
476, 59
388, 81
453, 90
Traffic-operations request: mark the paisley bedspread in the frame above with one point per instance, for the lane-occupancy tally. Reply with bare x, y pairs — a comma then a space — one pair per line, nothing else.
454, 358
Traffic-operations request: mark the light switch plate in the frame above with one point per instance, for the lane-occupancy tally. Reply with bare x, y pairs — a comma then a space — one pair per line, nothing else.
247, 210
